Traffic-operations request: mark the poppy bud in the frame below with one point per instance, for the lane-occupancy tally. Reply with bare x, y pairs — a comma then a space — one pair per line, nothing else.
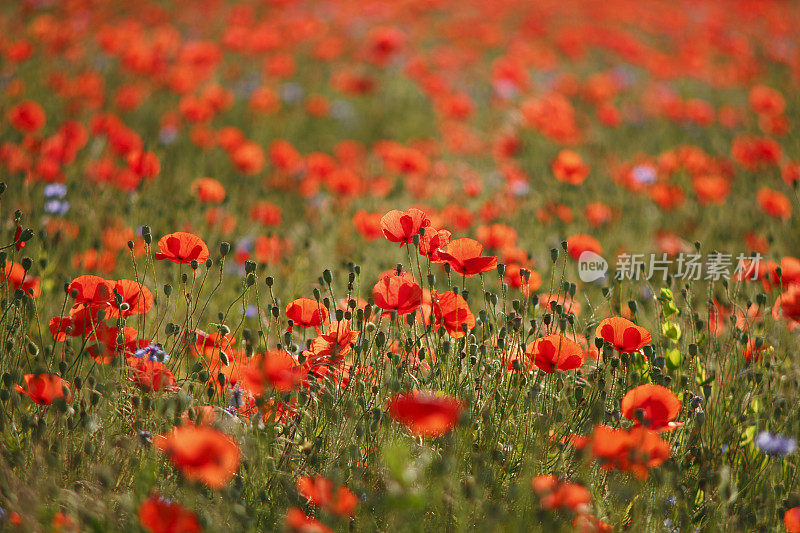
184, 278
380, 339
167, 290
632, 306
447, 268
415, 239
146, 235
276, 312
101, 314
224, 248
130, 245
327, 276
553, 254
501, 269
27, 263
250, 280
697, 245
208, 263
26, 235
692, 349
249, 266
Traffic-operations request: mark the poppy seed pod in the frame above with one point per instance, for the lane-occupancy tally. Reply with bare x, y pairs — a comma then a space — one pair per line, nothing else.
147, 236
249, 266
553, 254
224, 248
26, 263
327, 276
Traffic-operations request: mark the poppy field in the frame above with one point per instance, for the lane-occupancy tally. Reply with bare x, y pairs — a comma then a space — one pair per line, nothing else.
419, 265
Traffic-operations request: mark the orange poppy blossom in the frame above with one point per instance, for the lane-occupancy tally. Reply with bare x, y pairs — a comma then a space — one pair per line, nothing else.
138, 298
515, 279
581, 242
623, 334
319, 493
464, 256
201, 453
568, 167
306, 313
397, 291
635, 450
182, 248
452, 311
297, 521
335, 343
554, 352
150, 375
425, 413
432, 242
787, 307
774, 203
659, 407
44, 388
791, 520
208, 190
557, 494
92, 291
401, 226
158, 515
277, 368
16, 276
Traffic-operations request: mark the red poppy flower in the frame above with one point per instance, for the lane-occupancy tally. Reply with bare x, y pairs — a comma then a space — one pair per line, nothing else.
158, 515
787, 306
306, 313
336, 343
774, 203
27, 116
557, 494
44, 388
319, 493
569, 167
182, 248
401, 226
635, 450
580, 242
791, 520
711, 189
138, 298
278, 368
623, 334
104, 342
296, 520
432, 242
368, 225
464, 256
18, 278
397, 291
150, 375
659, 405
201, 453
497, 236
208, 190
555, 352
452, 311
425, 413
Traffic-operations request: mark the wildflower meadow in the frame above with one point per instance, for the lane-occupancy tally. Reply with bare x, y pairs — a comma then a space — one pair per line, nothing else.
398, 266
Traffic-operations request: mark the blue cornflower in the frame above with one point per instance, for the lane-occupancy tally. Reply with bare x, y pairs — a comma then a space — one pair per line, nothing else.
56, 207
775, 444
55, 190
153, 352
